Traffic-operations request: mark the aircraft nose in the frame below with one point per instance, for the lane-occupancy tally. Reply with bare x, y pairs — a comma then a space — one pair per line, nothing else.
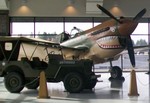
127, 27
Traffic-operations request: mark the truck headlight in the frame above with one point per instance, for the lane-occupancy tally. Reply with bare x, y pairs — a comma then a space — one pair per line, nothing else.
3, 63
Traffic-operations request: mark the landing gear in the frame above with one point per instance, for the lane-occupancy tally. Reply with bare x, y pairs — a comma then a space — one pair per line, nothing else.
115, 72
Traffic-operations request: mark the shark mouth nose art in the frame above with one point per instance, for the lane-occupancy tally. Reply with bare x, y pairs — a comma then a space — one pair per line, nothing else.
109, 42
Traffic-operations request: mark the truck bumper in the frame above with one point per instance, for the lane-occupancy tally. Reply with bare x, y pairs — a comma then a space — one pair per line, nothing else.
95, 76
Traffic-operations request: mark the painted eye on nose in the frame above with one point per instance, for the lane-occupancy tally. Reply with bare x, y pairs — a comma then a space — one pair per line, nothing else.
113, 29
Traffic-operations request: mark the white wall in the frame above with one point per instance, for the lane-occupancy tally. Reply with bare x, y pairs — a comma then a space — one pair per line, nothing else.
129, 7
52, 8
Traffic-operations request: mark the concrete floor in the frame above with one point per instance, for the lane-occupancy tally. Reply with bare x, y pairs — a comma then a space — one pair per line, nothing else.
105, 92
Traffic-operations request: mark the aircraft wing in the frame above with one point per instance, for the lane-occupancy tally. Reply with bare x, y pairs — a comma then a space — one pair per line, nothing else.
25, 39
138, 49
54, 45
141, 48
56, 48
70, 52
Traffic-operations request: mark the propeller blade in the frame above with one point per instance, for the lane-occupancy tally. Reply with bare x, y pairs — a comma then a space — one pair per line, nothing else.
131, 51
139, 15
107, 12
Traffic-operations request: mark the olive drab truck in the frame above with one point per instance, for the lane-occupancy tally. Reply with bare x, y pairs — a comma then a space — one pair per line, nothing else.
22, 59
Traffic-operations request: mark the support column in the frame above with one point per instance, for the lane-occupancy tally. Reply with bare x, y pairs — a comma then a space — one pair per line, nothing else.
149, 43
4, 23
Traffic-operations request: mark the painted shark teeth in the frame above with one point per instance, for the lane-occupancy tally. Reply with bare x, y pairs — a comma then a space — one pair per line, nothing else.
108, 38
110, 46
105, 42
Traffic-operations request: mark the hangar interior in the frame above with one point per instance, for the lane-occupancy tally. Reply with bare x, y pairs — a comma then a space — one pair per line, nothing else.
46, 19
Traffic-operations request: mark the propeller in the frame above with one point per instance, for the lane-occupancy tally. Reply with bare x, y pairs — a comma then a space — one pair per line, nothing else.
139, 15
108, 13
128, 40
130, 50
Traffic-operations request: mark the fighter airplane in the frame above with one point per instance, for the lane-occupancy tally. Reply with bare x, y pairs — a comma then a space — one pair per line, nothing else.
106, 41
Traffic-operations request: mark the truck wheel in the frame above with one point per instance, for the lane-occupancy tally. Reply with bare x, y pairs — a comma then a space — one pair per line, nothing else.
14, 82
73, 82
116, 72
91, 84
33, 84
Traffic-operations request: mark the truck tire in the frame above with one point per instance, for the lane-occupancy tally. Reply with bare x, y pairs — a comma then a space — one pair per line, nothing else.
73, 83
33, 84
91, 84
14, 82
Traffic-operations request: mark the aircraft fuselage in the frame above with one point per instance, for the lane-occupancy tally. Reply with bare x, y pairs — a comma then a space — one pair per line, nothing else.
104, 41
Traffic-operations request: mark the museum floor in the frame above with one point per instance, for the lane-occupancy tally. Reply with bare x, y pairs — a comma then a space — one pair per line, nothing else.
105, 92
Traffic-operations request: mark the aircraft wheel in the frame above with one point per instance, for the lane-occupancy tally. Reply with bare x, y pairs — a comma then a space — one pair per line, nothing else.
33, 85
14, 82
73, 83
116, 72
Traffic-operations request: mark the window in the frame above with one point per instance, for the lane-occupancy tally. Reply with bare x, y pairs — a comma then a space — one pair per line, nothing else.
48, 30
22, 29
141, 32
96, 23
48, 27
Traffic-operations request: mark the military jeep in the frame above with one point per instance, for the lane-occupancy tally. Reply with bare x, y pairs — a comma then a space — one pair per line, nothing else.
21, 71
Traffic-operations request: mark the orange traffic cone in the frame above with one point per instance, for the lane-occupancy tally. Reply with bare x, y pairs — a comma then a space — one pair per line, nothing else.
43, 92
133, 84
